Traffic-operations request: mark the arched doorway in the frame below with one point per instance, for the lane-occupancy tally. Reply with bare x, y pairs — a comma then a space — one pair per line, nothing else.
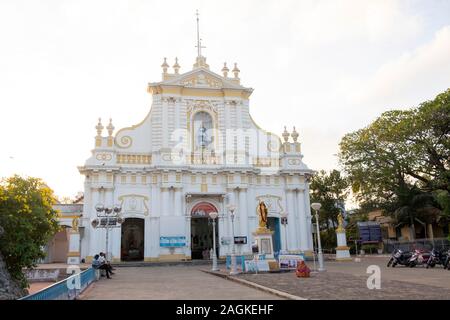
132, 243
201, 230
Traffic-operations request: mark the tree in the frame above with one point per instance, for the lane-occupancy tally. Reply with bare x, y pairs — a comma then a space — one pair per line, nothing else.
28, 220
401, 161
331, 190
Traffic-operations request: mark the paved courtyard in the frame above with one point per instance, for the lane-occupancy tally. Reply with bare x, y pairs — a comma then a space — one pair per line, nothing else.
341, 281
347, 281
170, 283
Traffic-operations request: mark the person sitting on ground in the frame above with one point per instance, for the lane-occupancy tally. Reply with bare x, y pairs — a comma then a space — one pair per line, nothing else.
302, 270
103, 260
97, 264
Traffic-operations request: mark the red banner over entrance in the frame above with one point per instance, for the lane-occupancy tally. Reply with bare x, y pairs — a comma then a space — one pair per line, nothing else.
202, 209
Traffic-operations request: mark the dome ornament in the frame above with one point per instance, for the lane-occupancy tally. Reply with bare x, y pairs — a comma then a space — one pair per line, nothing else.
164, 66
99, 127
110, 128
294, 135
285, 135
236, 71
225, 70
176, 66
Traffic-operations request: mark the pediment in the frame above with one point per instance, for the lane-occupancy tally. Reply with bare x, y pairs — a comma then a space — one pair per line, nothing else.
202, 78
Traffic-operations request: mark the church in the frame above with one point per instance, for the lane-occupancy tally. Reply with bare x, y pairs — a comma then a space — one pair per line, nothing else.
197, 151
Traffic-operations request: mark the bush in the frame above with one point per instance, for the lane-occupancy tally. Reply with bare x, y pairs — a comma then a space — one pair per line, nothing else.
28, 220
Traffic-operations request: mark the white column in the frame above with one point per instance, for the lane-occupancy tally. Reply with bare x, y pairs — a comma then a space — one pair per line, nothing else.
115, 236
178, 211
231, 200
291, 220
221, 224
94, 234
251, 214
243, 217
148, 237
153, 234
308, 218
74, 248
87, 216
187, 224
302, 219
164, 202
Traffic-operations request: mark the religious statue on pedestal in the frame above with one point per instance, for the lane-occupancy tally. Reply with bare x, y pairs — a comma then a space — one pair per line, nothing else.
262, 212
340, 227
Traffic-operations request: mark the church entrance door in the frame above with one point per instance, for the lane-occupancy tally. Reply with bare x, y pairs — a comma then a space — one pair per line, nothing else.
273, 224
132, 245
201, 231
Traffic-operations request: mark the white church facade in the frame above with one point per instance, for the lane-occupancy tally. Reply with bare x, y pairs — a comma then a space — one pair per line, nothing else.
198, 150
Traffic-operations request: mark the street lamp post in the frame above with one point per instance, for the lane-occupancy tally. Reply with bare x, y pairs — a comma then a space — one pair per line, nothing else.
284, 222
213, 216
314, 246
107, 217
232, 208
316, 207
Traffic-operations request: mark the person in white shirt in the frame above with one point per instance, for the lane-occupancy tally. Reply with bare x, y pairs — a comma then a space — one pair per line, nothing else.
103, 261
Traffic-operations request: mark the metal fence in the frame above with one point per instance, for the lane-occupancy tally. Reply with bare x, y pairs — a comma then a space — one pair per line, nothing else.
67, 289
421, 244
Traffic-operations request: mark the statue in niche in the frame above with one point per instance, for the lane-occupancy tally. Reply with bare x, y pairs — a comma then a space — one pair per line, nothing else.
263, 213
202, 138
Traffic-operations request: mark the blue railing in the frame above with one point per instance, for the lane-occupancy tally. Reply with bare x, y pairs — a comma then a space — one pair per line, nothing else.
67, 289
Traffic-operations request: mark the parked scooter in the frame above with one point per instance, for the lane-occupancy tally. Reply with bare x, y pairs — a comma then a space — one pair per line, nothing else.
399, 257
418, 257
437, 257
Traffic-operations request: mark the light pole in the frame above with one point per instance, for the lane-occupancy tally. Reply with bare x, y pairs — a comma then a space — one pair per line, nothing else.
314, 246
284, 222
213, 216
316, 207
107, 217
232, 208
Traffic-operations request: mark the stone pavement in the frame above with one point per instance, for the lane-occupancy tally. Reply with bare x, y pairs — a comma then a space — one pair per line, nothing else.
347, 281
170, 283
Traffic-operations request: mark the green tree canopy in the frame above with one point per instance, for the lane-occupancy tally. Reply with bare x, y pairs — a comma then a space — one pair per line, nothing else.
28, 220
331, 190
401, 161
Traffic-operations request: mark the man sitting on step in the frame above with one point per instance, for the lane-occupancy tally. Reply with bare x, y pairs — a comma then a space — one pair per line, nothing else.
97, 264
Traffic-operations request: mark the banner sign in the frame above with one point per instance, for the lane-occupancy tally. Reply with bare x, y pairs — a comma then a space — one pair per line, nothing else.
289, 261
240, 240
177, 241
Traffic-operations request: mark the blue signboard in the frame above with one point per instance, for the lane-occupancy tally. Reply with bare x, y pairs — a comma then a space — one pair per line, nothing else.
177, 241
369, 232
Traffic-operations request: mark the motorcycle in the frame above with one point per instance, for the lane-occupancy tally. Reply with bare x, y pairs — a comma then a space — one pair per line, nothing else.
446, 263
418, 257
399, 257
437, 257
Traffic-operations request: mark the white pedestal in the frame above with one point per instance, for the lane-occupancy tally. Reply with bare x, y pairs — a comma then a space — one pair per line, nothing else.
263, 238
73, 257
342, 251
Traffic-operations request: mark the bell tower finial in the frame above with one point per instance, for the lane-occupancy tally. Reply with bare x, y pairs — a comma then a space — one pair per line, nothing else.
199, 40
200, 60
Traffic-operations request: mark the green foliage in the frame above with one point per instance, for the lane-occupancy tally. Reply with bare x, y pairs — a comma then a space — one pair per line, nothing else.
328, 240
28, 220
330, 190
401, 161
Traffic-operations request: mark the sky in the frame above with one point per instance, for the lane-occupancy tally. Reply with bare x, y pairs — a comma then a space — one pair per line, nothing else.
326, 67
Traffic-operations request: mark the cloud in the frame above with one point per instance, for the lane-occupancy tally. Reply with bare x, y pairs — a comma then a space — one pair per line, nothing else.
409, 79
328, 22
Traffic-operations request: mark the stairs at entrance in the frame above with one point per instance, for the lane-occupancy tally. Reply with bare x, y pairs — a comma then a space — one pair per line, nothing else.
165, 263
